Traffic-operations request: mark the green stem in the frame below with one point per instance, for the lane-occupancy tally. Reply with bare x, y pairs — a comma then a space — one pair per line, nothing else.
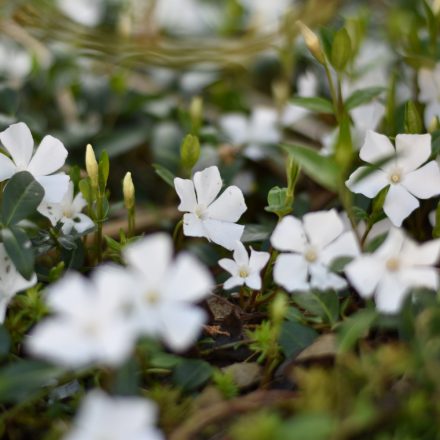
131, 222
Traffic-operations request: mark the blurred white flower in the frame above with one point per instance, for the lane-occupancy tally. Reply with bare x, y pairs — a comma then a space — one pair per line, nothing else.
11, 282
91, 321
115, 418
311, 246
407, 178
67, 212
48, 158
307, 88
85, 12
245, 270
266, 14
165, 291
254, 133
429, 85
15, 62
207, 216
391, 271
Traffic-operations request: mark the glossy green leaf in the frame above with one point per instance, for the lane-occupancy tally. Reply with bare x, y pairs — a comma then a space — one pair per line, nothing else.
165, 174
21, 197
295, 337
314, 104
5, 341
322, 304
191, 374
362, 96
19, 248
354, 328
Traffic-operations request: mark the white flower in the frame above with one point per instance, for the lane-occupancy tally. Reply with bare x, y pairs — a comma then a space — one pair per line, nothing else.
407, 178
15, 62
115, 418
392, 270
255, 133
11, 281
67, 212
429, 85
312, 245
165, 291
85, 12
90, 323
48, 158
245, 270
207, 216
267, 14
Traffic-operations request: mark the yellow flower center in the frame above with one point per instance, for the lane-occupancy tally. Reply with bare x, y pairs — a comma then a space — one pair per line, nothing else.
200, 212
395, 177
393, 264
244, 272
152, 297
311, 255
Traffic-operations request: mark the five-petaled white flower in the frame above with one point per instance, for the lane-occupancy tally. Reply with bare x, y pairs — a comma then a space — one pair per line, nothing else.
67, 212
392, 270
164, 291
207, 216
311, 246
429, 85
11, 281
48, 158
91, 320
245, 270
403, 173
115, 418
254, 133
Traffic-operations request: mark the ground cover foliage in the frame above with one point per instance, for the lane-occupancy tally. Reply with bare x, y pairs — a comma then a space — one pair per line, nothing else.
219, 220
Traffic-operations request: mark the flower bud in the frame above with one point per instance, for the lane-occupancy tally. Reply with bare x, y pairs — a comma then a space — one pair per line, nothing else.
312, 42
92, 166
196, 112
128, 191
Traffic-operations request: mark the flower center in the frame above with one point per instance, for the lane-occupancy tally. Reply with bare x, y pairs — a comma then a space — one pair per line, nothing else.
152, 297
311, 255
68, 213
395, 176
393, 264
200, 212
244, 272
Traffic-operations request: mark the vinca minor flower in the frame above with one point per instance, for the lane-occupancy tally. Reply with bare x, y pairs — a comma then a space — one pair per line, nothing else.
67, 212
245, 270
398, 265
48, 158
207, 216
309, 248
115, 418
408, 179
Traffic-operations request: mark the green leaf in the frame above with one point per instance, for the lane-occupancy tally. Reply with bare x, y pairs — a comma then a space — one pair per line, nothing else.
413, 120
354, 328
295, 337
19, 249
256, 232
103, 170
362, 96
190, 374
314, 104
20, 380
323, 170
322, 304
341, 50
21, 197
5, 341
310, 426
85, 187
165, 174
190, 151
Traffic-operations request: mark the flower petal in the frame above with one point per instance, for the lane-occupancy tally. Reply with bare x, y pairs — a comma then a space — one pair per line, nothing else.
289, 235
413, 150
420, 277
223, 233
236, 128
229, 206
426, 254
399, 204
187, 280
253, 281
376, 147
432, 111
322, 227
49, 157
82, 223
234, 281
258, 260
291, 271
424, 182
181, 325
55, 186
240, 254
52, 211
151, 257
390, 295
345, 245
229, 265
369, 185
393, 244
364, 274
208, 184
186, 193
193, 226
17, 139
323, 279
78, 203
7, 168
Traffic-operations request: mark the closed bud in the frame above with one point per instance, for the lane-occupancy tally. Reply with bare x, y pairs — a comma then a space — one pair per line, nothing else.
128, 191
190, 151
196, 111
279, 308
312, 42
92, 166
